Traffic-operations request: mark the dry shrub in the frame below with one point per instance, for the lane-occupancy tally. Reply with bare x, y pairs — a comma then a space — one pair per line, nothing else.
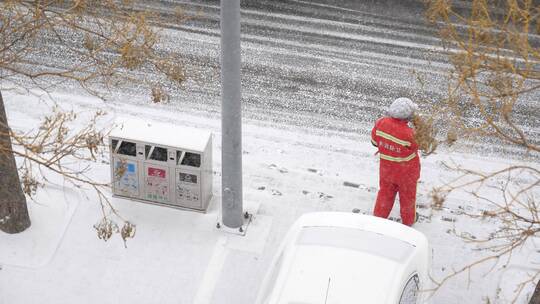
437, 199
53, 146
127, 232
451, 137
90, 43
112, 38
105, 229
424, 134
173, 69
159, 95
29, 183
132, 56
493, 48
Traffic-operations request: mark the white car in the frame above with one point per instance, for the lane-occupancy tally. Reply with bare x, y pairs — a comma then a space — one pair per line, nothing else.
336, 257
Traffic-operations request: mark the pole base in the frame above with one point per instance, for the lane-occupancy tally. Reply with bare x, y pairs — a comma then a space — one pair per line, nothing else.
242, 230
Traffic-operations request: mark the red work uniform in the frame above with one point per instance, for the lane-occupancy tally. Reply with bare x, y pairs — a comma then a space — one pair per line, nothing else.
399, 169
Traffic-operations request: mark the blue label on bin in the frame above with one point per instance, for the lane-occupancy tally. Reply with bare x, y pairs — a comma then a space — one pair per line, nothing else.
131, 168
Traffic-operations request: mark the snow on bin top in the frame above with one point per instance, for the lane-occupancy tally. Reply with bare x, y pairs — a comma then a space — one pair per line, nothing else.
161, 134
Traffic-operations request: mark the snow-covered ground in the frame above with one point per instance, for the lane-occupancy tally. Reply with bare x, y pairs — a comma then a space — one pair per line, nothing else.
316, 74
180, 257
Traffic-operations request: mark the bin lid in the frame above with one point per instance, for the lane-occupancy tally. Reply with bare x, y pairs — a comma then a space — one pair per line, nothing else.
161, 134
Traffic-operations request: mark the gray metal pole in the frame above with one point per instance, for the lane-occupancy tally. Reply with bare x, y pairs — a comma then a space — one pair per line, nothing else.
231, 120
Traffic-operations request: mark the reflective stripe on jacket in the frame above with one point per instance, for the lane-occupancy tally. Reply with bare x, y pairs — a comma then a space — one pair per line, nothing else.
397, 149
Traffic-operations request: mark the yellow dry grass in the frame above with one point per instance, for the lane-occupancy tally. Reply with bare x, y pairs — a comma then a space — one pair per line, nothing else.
424, 134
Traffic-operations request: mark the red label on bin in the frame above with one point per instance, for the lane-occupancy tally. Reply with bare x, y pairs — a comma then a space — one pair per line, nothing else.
156, 172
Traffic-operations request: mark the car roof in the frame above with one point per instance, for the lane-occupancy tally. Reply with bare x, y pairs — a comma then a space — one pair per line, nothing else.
357, 266
341, 257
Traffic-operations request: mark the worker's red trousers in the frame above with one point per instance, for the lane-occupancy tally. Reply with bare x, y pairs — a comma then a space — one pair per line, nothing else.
406, 187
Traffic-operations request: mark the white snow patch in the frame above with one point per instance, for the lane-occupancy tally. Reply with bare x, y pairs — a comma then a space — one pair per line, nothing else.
180, 257
36, 246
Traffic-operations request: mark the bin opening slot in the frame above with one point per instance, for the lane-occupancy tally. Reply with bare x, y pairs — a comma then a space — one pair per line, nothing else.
114, 144
127, 148
155, 153
178, 157
147, 150
192, 160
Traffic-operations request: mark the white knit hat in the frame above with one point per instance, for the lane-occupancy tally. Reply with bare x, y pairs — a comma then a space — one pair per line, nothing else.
402, 108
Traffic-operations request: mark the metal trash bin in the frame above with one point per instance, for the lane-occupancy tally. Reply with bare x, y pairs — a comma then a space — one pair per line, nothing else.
161, 164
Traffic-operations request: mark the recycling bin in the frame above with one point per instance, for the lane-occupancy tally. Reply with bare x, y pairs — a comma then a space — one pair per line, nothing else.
161, 164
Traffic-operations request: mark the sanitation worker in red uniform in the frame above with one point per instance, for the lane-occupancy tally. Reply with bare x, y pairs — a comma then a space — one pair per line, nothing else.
399, 169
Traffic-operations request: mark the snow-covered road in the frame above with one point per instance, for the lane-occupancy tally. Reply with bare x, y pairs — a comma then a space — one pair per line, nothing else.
331, 65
